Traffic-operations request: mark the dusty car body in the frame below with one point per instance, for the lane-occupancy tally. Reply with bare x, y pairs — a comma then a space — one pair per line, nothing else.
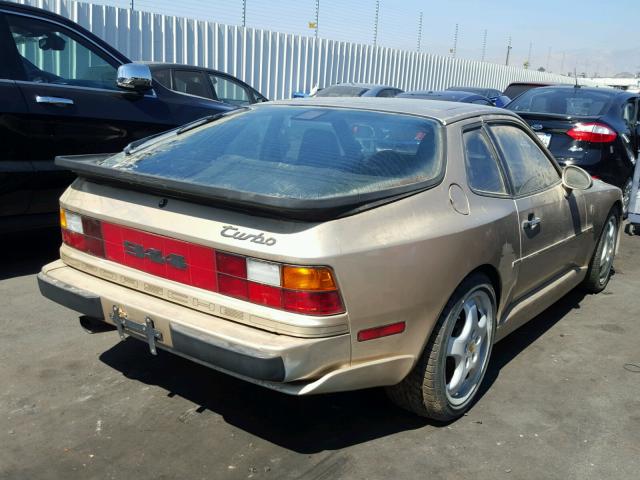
388, 266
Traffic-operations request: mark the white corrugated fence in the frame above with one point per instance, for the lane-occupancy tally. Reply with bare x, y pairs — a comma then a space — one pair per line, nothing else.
278, 64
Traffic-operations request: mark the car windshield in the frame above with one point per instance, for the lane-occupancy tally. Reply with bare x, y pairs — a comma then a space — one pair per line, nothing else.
342, 91
296, 152
562, 101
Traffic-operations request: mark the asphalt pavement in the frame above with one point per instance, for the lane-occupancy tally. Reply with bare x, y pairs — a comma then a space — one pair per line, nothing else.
561, 400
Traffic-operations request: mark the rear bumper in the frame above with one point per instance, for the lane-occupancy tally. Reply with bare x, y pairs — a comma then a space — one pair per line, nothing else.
293, 365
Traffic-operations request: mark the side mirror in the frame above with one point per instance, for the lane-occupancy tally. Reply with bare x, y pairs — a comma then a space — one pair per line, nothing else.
575, 178
134, 76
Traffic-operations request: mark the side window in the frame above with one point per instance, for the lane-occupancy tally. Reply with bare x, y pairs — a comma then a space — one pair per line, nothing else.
229, 91
192, 82
529, 168
387, 92
483, 172
52, 54
162, 76
629, 111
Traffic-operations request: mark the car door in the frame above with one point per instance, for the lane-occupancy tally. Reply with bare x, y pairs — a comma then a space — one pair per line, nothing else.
552, 220
15, 165
69, 84
228, 90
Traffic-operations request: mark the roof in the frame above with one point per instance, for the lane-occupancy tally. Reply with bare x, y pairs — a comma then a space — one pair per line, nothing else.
361, 85
611, 91
454, 95
444, 112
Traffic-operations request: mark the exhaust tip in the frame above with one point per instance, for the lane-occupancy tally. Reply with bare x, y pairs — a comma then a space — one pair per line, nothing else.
94, 325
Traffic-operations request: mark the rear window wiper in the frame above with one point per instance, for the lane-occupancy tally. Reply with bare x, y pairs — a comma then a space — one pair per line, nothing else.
133, 146
207, 119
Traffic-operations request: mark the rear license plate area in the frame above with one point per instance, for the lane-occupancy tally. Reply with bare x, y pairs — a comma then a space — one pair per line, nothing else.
127, 326
545, 138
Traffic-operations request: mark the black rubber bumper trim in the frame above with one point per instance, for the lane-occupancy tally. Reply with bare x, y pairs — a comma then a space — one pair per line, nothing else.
259, 368
70, 296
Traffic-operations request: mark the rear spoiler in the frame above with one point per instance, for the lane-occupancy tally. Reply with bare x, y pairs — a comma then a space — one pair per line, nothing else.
89, 166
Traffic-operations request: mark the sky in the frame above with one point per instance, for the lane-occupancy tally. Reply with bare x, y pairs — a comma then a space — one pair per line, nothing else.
591, 36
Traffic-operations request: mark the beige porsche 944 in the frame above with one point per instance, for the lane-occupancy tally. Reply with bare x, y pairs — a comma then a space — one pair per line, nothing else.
323, 245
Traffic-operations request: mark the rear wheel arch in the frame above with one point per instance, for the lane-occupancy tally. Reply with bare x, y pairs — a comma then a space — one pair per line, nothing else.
485, 269
492, 273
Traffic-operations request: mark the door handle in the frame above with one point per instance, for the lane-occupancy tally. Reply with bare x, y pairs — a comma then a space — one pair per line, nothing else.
54, 100
532, 223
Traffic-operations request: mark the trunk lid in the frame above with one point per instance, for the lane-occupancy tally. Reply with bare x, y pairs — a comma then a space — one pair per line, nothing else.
552, 130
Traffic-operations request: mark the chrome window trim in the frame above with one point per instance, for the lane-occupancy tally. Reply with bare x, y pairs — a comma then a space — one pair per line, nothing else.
90, 89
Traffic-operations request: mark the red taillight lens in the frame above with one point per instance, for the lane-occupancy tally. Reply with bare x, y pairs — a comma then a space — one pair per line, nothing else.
265, 295
232, 286
299, 289
231, 264
82, 233
312, 303
592, 132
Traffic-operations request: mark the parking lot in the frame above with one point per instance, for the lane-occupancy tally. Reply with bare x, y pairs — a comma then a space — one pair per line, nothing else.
563, 402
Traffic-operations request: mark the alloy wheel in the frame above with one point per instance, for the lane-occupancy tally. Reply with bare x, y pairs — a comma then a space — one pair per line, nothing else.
608, 249
469, 346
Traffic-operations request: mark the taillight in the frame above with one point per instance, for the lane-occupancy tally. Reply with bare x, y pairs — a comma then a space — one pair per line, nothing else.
592, 132
82, 233
307, 290
301, 289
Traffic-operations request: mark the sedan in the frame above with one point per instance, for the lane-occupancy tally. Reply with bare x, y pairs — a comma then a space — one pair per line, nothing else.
595, 128
448, 96
498, 99
279, 244
358, 90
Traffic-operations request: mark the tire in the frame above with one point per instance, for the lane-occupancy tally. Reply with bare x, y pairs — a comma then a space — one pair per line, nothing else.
428, 390
601, 264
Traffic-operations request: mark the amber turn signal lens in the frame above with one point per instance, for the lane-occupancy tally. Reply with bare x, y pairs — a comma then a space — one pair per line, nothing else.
307, 278
63, 219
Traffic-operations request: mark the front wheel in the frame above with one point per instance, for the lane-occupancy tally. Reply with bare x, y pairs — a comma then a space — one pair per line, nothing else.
444, 382
601, 263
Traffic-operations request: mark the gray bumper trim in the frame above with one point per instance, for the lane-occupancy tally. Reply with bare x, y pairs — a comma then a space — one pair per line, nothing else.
198, 346
201, 348
70, 296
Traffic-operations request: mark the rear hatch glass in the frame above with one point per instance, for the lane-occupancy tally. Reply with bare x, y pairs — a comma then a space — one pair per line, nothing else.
298, 157
562, 101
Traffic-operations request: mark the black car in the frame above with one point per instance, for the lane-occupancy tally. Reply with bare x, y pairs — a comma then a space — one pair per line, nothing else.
594, 128
518, 88
358, 90
65, 91
498, 99
206, 83
448, 96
